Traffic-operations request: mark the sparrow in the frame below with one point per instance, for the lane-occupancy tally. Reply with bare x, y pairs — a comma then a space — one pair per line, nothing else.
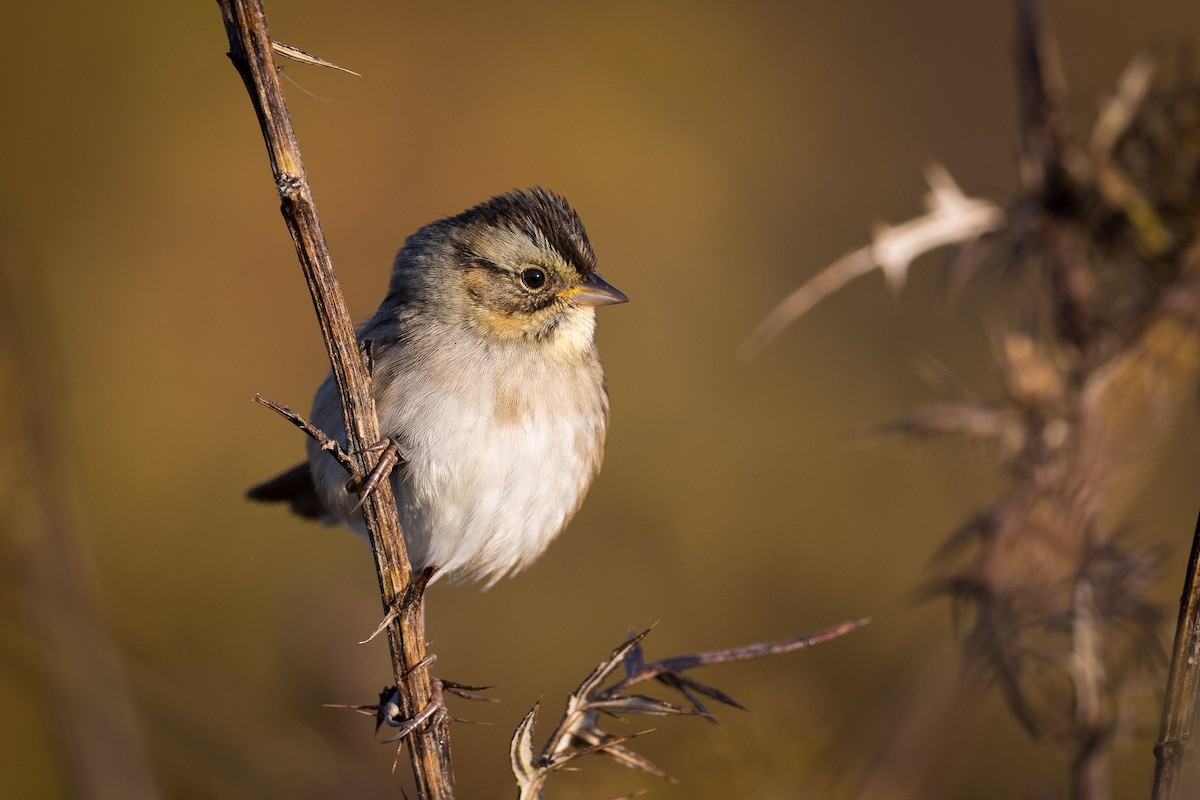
485, 376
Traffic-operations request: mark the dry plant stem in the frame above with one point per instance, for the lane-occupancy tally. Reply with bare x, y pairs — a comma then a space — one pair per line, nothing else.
1090, 764
327, 444
951, 218
1183, 687
251, 51
580, 732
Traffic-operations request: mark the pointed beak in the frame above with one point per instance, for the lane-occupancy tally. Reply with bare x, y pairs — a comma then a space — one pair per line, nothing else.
595, 291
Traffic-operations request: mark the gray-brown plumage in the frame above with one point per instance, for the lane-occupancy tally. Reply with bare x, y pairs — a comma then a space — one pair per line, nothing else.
485, 374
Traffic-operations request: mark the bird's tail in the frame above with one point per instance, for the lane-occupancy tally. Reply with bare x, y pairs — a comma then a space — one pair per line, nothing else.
294, 487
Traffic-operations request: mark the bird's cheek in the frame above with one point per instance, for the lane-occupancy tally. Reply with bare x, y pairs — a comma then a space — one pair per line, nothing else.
505, 325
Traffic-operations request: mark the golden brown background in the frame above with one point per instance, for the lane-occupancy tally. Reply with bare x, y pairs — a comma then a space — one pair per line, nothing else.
718, 155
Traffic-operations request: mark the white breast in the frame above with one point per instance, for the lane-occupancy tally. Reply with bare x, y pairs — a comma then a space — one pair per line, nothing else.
497, 461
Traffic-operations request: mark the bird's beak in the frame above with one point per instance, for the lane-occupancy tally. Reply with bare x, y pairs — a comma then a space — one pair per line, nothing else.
595, 291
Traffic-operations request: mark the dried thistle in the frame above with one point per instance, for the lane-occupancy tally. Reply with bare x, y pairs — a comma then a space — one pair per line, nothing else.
579, 732
1103, 237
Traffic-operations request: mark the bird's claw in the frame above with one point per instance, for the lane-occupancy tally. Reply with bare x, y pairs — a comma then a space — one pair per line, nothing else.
382, 469
434, 710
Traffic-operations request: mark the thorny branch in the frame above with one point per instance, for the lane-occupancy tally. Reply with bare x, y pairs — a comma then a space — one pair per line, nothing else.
579, 733
312, 431
1183, 689
251, 50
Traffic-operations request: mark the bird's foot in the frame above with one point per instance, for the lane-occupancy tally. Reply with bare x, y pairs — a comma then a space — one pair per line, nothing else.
383, 468
390, 714
435, 710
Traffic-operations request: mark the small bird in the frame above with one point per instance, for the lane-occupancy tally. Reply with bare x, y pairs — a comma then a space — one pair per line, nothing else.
486, 378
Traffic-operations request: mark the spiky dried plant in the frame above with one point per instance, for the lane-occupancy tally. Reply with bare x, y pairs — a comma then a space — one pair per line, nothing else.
1103, 244
580, 733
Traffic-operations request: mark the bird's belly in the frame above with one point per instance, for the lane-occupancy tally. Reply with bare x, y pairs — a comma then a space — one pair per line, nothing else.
485, 499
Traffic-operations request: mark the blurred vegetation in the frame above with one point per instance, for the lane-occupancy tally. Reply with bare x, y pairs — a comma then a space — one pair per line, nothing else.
1097, 346
717, 154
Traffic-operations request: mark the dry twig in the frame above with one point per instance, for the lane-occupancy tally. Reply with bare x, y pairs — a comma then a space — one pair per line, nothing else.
1183, 688
328, 444
951, 218
251, 51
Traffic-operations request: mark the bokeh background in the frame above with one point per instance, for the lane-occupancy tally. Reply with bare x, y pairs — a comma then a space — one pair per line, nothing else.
719, 154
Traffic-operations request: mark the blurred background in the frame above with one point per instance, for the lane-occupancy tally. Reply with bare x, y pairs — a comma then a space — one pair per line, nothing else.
719, 155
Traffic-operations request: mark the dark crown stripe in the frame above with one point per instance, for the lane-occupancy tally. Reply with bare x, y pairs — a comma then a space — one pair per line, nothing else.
541, 214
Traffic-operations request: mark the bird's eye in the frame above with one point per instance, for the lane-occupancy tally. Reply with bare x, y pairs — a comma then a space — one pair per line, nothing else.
533, 278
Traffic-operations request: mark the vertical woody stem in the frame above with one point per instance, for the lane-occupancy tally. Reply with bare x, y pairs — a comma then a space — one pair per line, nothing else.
1183, 688
251, 51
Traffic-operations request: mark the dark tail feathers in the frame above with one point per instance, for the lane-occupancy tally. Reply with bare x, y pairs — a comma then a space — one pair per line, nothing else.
294, 487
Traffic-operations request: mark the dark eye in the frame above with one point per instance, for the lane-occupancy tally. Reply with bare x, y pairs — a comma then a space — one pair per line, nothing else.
533, 278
